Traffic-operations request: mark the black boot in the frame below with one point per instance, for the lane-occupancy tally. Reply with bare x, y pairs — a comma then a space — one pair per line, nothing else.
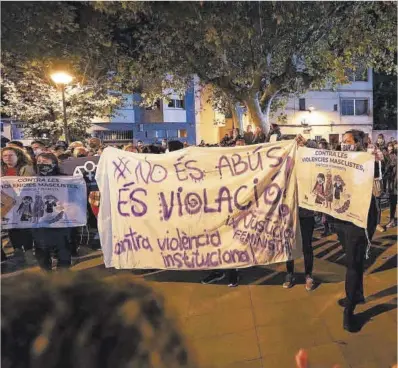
348, 320
359, 299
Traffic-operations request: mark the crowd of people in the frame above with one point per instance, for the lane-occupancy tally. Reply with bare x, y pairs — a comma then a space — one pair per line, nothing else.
44, 160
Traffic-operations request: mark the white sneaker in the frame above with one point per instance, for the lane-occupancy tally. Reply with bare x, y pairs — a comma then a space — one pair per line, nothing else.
309, 283
289, 281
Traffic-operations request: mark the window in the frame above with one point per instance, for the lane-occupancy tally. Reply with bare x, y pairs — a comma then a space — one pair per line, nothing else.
156, 134
182, 133
335, 107
160, 133
176, 104
172, 133
359, 75
141, 128
302, 104
354, 107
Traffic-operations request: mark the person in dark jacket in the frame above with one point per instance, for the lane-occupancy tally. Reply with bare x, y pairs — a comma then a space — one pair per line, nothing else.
354, 241
14, 162
48, 240
259, 136
248, 135
274, 131
392, 186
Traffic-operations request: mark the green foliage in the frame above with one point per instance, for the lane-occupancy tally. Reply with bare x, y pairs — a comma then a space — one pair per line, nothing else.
385, 101
253, 50
249, 52
33, 99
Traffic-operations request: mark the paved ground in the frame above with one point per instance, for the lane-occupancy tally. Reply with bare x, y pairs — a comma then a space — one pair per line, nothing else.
260, 324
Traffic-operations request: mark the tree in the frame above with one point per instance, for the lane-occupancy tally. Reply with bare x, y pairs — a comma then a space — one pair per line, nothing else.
385, 101
33, 99
254, 52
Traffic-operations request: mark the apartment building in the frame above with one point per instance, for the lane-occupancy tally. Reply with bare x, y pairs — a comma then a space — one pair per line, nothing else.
174, 119
191, 118
329, 113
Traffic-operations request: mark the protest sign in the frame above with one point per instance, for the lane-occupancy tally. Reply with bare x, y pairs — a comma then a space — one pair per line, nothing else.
85, 166
35, 202
338, 183
199, 208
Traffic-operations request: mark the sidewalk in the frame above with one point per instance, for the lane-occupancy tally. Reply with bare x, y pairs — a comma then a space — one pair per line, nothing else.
261, 325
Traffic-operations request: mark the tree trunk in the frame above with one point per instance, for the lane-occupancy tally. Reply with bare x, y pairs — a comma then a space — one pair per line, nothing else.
235, 117
267, 113
256, 116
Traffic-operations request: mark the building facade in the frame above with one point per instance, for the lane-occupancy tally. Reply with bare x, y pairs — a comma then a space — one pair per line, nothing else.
191, 118
174, 119
330, 113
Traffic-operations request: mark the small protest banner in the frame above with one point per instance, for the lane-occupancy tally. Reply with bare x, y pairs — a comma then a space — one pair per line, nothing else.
199, 208
338, 183
36, 202
85, 166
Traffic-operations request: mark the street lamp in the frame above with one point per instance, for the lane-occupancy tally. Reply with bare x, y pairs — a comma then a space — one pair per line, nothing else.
62, 79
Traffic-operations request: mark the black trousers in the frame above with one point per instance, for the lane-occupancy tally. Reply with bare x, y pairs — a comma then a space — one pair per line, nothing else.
21, 238
307, 225
393, 206
48, 241
354, 241
378, 207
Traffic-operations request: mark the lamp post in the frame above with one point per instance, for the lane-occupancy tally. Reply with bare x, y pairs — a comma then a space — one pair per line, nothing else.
62, 79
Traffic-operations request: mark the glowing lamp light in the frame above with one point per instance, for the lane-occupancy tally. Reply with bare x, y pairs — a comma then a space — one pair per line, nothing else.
61, 78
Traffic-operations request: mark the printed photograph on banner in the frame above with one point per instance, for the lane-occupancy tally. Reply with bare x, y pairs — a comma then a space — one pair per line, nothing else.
34, 202
336, 183
199, 208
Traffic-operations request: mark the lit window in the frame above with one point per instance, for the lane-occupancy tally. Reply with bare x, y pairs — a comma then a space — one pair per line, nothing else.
182, 133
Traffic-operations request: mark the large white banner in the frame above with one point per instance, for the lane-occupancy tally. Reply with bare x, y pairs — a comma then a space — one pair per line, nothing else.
336, 183
199, 208
35, 202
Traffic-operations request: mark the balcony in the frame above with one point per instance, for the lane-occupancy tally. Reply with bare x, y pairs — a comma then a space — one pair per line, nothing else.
113, 132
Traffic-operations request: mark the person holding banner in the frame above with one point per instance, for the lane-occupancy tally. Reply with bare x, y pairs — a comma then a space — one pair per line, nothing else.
48, 239
14, 162
354, 240
307, 225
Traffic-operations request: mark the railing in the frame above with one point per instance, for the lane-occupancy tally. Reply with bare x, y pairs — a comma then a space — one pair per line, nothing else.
113, 135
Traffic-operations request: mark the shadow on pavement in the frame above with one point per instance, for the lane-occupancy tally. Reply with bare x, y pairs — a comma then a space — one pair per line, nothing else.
391, 262
364, 317
381, 294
